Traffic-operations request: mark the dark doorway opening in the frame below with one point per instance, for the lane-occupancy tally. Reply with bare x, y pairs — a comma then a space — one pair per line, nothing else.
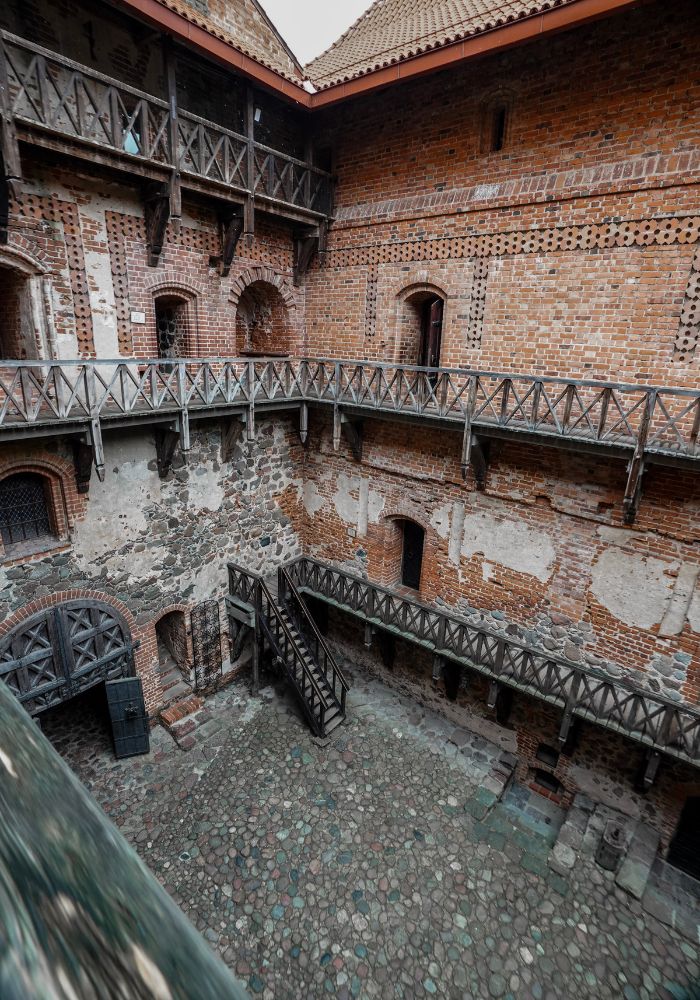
412, 556
431, 332
684, 852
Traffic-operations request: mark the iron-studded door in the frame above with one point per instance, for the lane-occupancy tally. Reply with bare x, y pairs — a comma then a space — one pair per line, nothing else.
127, 713
206, 645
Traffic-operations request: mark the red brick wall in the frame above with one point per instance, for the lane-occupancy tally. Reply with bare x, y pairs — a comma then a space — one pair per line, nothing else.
569, 251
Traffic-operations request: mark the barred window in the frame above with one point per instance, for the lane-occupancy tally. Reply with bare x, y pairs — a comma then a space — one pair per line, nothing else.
24, 509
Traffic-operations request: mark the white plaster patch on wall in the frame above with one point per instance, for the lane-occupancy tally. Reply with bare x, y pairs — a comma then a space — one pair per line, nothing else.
693, 611
345, 503
98, 269
634, 588
115, 513
509, 543
440, 520
375, 506
204, 487
313, 500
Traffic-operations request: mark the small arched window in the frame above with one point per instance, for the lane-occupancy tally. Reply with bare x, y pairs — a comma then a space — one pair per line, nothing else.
499, 120
176, 326
25, 510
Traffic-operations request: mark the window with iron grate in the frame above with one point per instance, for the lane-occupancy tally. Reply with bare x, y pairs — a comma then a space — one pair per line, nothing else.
25, 510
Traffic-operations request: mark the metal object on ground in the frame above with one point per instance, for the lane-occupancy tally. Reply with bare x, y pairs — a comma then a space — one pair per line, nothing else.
612, 846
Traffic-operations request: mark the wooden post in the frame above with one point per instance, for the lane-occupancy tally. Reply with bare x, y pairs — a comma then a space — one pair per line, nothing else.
171, 83
249, 209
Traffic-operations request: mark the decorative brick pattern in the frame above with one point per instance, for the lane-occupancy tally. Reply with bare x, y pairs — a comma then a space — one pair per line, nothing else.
371, 304
689, 328
478, 302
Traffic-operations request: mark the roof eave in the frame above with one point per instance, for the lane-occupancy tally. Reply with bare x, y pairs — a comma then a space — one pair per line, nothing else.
215, 48
495, 39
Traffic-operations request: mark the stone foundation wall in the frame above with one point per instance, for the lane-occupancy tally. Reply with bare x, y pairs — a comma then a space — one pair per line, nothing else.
153, 544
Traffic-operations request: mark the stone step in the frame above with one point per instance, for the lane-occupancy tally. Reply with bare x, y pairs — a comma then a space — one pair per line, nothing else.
635, 869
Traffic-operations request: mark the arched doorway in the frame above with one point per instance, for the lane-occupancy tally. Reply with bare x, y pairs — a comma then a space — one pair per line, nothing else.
420, 325
262, 321
18, 336
684, 852
173, 654
176, 326
413, 541
62, 651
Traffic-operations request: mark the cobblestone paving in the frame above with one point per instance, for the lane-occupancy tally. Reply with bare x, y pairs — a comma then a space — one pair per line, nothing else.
374, 866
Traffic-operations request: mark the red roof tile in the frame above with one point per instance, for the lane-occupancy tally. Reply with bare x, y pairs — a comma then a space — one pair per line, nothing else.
394, 30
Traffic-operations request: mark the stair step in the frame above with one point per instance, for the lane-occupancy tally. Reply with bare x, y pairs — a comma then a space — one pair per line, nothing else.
334, 722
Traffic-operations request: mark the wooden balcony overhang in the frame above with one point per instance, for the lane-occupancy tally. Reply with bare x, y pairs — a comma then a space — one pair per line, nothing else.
639, 424
51, 102
660, 725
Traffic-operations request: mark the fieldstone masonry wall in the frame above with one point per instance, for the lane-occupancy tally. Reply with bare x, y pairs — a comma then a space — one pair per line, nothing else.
152, 543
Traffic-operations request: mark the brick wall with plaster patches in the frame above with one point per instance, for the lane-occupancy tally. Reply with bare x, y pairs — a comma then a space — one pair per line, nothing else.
535, 555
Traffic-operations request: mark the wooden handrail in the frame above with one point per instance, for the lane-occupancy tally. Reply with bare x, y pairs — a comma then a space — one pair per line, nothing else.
308, 618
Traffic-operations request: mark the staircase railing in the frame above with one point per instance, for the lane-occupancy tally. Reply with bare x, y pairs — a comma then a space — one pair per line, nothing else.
251, 589
305, 623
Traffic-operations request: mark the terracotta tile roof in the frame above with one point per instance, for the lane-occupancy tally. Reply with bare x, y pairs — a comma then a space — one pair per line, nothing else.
244, 25
394, 30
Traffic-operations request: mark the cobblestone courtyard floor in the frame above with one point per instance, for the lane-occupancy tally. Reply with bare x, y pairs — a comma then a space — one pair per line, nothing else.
376, 866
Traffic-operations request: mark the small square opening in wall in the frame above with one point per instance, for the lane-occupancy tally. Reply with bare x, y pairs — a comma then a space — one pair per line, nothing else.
547, 755
543, 781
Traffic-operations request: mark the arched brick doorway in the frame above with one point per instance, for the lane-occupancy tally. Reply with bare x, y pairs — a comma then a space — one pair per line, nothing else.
58, 653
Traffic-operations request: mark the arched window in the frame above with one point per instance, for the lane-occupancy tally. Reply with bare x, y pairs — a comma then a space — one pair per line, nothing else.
25, 510
496, 119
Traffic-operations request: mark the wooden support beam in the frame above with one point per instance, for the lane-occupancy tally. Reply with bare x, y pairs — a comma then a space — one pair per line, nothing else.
650, 768
10, 162
353, 434
369, 632
500, 699
249, 209
231, 431
83, 457
166, 442
304, 423
307, 243
336, 427
635, 470
231, 224
438, 667
171, 83
480, 460
156, 216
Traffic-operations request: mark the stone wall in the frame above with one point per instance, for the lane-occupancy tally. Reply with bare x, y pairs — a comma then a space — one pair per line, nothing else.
155, 544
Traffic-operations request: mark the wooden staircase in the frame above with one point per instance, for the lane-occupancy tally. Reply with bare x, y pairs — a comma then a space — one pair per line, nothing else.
284, 625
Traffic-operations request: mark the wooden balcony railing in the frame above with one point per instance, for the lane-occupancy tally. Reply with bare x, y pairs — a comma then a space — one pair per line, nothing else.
662, 725
59, 96
663, 421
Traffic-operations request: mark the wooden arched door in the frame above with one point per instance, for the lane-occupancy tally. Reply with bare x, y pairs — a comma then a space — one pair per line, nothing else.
63, 651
